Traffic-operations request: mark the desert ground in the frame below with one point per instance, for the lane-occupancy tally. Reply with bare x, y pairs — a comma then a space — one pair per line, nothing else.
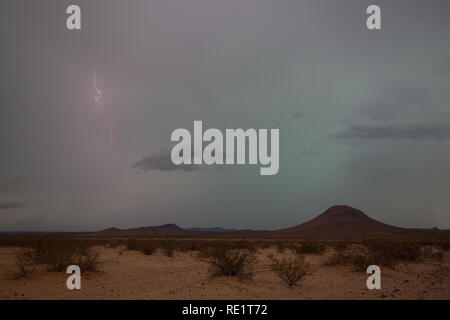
127, 273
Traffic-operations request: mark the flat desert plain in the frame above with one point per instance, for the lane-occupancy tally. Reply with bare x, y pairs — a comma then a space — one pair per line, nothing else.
130, 274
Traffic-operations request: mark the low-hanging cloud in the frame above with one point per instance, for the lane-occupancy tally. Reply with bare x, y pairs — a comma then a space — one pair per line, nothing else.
161, 161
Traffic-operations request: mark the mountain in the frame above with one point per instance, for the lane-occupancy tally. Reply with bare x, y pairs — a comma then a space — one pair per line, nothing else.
341, 222
150, 231
162, 230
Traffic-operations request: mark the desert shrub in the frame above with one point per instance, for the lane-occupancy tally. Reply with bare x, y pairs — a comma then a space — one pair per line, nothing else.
191, 245
406, 250
435, 253
445, 245
291, 270
339, 245
312, 247
378, 252
114, 243
356, 255
426, 250
24, 264
147, 247
196, 245
284, 245
204, 252
281, 247
89, 262
132, 244
388, 253
178, 245
168, 248
383, 253
229, 261
264, 245
437, 256
58, 253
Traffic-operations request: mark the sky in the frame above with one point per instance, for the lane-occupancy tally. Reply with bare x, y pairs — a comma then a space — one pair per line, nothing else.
364, 116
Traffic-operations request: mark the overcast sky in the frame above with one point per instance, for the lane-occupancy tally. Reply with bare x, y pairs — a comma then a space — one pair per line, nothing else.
364, 116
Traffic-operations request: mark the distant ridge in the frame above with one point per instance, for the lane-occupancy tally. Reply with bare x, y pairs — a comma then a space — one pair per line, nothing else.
162, 230
337, 222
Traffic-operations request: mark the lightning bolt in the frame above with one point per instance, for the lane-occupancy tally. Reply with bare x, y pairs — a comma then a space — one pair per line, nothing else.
98, 97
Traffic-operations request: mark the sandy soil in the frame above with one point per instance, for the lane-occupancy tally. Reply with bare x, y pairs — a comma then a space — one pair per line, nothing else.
132, 275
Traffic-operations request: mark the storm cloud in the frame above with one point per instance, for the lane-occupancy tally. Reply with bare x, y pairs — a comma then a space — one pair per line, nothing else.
407, 107
162, 161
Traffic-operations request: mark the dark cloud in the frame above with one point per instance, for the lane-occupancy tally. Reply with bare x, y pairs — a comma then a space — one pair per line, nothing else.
161, 160
398, 99
5, 205
297, 115
377, 130
404, 108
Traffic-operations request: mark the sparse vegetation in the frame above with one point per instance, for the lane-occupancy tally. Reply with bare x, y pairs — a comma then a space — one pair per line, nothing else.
382, 253
56, 254
226, 257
